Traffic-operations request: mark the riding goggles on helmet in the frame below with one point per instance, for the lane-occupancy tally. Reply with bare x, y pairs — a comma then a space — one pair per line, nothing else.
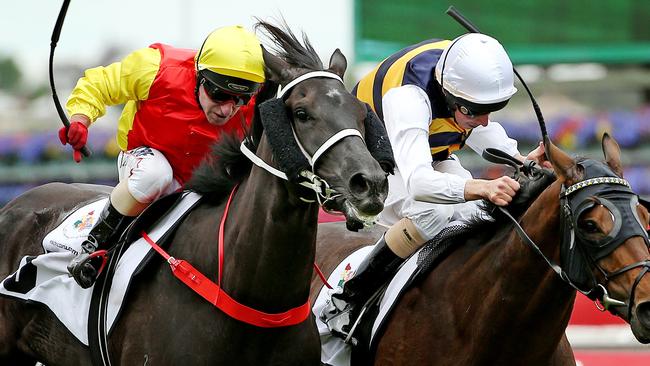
471, 109
221, 88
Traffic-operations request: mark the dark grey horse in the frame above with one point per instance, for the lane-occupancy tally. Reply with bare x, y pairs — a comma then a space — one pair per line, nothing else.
270, 237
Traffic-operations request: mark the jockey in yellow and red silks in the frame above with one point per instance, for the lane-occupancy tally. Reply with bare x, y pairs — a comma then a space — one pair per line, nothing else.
177, 102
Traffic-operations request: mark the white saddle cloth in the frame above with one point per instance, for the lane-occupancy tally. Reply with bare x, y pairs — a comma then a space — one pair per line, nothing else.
54, 287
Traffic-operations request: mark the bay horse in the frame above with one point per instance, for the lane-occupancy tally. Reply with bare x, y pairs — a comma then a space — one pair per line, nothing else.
269, 235
494, 300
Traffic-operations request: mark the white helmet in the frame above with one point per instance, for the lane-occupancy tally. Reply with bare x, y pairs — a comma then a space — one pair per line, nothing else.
475, 68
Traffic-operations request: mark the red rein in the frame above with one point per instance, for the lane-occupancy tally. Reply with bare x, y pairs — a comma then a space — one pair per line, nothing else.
213, 293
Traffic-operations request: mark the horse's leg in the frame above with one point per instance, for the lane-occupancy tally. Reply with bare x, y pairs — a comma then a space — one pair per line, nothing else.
563, 355
30, 333
10, 353
45, 336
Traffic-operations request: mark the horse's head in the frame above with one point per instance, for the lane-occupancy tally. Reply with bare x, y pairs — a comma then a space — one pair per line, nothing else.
604, 239
315, 125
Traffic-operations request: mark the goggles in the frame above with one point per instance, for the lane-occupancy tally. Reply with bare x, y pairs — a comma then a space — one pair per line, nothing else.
471, 109
218, 95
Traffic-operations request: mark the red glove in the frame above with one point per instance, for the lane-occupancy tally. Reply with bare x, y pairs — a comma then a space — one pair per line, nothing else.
76, 135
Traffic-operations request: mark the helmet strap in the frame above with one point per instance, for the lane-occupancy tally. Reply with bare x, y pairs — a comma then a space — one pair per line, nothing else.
198, 76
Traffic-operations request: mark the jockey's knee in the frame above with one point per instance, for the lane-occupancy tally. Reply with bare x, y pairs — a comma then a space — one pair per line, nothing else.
409, 234
151, 183
432, 220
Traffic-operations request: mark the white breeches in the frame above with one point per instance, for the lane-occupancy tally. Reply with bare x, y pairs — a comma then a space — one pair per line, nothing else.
429, 218
148, 174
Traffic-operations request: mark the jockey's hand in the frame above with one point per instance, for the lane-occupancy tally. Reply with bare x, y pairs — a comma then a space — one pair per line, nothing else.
499, 191
76, 135
537, 155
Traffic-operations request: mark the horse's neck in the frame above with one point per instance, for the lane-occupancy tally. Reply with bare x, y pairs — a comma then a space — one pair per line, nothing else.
271, 242
542, 224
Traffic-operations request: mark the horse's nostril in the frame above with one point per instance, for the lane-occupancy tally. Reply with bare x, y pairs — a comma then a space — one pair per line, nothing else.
643, 314
359, 184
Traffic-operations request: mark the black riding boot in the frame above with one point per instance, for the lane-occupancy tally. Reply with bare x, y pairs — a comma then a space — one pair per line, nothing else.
102, 236
373, 272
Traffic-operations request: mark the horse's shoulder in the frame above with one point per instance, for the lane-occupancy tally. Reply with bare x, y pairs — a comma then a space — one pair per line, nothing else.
335, 242
336, 233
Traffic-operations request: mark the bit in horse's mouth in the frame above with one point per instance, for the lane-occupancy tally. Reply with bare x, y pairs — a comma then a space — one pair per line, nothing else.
351, 212
355, 220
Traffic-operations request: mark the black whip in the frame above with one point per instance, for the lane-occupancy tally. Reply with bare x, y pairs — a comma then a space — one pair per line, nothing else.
55, 38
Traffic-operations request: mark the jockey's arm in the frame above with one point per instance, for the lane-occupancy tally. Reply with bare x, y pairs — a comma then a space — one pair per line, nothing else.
407, 116
129, 79
492, 136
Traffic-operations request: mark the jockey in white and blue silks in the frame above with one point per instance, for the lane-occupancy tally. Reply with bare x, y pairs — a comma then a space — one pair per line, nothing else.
434, 97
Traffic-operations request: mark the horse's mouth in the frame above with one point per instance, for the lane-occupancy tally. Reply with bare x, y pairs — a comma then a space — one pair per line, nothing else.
352, 214
354, 219
640, 333
640, 322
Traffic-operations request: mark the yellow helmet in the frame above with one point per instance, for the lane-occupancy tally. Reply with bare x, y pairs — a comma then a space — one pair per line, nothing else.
231, 58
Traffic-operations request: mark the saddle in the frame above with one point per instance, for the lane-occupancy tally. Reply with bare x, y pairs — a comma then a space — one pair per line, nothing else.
147, 219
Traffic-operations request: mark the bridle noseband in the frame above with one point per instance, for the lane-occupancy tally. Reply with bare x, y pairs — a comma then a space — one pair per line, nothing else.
311, 180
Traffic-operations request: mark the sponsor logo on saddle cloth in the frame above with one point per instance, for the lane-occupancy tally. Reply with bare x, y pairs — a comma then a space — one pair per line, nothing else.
74, 229
45, 279
346, 274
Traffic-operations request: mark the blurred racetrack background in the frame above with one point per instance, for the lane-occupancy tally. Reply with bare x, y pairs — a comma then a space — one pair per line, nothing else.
587, 64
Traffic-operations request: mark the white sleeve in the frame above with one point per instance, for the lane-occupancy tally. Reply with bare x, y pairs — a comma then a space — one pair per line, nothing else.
407, 115
493, 135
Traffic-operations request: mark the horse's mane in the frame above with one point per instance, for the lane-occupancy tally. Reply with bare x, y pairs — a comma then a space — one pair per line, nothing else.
286, 45
225, 166
476, 231
489, 229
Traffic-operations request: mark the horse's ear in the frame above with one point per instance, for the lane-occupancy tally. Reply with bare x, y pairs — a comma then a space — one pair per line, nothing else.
338, 63
564, 166
277, 69
612, 154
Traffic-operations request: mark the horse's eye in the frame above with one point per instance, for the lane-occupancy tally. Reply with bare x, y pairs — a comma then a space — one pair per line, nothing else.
301, 114
589, 227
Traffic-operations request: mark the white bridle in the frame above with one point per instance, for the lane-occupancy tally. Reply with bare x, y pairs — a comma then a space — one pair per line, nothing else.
323, 191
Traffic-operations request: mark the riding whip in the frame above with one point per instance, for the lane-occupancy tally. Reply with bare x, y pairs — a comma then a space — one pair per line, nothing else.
55, 38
